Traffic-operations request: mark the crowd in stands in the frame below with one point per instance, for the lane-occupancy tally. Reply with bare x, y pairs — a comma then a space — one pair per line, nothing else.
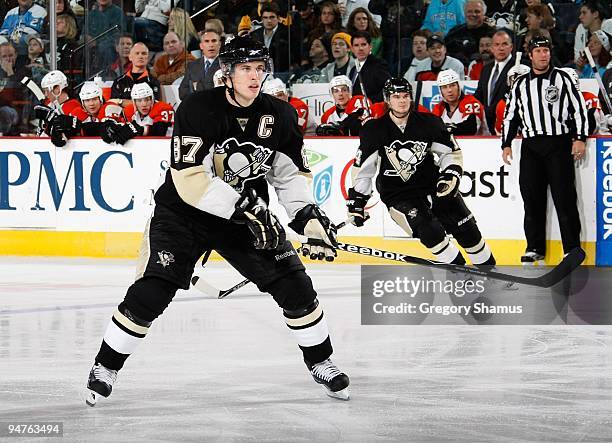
364, 42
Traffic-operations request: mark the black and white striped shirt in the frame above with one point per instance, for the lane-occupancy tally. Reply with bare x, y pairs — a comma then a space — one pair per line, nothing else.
545, 104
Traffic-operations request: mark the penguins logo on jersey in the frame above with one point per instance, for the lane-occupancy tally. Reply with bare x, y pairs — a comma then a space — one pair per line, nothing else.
405, 157
237, 163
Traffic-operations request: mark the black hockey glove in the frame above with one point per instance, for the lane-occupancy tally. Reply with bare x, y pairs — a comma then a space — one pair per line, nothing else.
451, 127
352, 123
312, 222
356, 206
108, 131
265, 227
328, 129
66, 124
448, 183
128, 131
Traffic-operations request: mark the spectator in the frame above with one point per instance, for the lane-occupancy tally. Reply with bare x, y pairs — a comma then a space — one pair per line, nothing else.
152, 24
369, 71
540, 17
181, 23
69, 61
347, 7
275, 36
599, 45
361, 20
406, 17
419, 52
14, 107
329, 21
61, 7
343, 62
304, 22
278, 89
463, 40
492, 86
200, 73
22, 21
172, 63
462, 114
215, 25
121, 65
437, 61
484, 55
502, 15
443, 15
318, 58
122, 86
591, 17
103, 16
36, 60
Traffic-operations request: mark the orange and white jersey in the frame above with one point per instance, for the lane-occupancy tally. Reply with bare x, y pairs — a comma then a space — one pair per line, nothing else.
302, 111
597, 119
357, 102
108, 111
332, 115
469, 109
160, 112
500, 110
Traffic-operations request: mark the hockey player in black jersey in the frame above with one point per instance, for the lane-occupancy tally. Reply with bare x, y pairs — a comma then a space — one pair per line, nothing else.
228, 144
419, 190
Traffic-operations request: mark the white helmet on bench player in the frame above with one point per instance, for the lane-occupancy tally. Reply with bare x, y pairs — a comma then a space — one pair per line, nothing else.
574, 76
447, 77
53, 79
141, 90
340, 80
274, 86
515, 72
90, 90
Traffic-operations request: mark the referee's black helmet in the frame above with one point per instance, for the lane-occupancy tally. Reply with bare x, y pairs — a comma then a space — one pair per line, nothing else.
539, 41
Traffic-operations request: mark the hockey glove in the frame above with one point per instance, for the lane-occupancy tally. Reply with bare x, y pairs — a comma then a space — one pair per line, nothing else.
356, 206
66, 124
128, 131
265, 227
108, 132
448, 183
312, 222
328, 129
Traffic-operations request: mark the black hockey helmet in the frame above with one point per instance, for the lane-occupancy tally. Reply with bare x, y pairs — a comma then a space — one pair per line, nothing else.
395, 85
539, 41
243, 49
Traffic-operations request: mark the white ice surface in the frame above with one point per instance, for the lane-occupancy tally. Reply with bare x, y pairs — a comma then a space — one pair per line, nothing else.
229, 370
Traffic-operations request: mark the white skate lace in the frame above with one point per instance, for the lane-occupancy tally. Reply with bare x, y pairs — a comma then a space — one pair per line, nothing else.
325, 370
104, 374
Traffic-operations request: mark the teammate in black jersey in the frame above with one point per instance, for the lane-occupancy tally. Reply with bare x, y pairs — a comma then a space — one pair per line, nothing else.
228, 145
420, 192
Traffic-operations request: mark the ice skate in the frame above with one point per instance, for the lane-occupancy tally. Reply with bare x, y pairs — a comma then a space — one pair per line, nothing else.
335, 382
100, 383
531, 258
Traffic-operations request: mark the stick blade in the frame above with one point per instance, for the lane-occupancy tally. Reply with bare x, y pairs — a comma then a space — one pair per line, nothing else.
571, 261
206, 288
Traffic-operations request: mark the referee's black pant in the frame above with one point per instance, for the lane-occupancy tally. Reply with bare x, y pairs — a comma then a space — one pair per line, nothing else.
548, 160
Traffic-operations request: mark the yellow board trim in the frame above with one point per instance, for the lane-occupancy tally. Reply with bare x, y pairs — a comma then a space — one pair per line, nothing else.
126, 245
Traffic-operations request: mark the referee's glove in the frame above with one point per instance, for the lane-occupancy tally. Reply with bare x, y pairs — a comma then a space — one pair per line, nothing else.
252, 211
448, 183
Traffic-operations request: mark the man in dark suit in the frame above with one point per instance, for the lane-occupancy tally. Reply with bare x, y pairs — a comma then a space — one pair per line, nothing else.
492, 86
275, 36
374, 71
199, 73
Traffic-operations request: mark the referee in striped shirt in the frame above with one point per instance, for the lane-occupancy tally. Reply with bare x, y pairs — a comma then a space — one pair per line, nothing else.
552, 116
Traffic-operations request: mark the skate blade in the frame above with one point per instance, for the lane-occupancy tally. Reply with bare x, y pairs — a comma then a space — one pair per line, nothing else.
343, 394
91, 398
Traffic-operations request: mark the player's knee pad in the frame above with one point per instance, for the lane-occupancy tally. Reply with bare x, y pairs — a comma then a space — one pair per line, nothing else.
469, 237
293, 291
148, 297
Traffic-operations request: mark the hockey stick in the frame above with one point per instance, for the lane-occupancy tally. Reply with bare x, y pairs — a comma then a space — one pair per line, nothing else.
570, 262
209, 289
600, 83
34, 88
